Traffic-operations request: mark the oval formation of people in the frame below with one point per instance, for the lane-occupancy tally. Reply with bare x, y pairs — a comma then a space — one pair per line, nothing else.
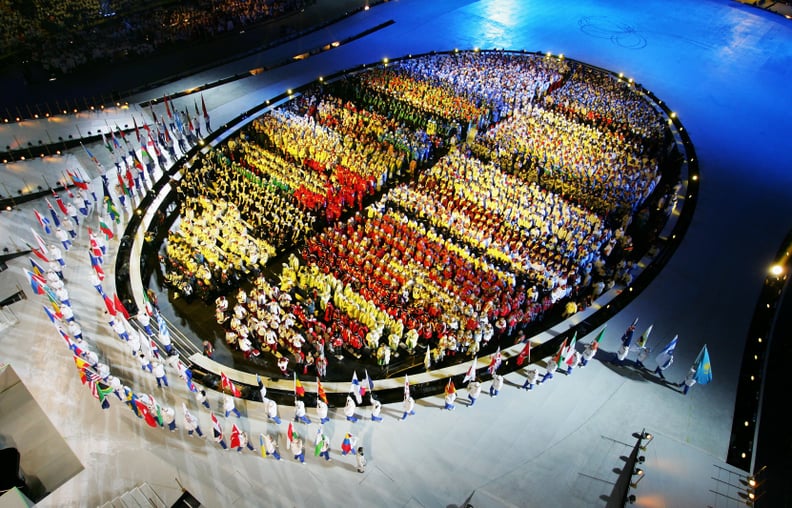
419, 213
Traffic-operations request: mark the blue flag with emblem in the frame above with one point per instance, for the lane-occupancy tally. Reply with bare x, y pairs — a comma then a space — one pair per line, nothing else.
703, 367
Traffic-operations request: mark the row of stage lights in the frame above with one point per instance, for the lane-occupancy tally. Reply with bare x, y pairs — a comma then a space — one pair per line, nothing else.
37, 116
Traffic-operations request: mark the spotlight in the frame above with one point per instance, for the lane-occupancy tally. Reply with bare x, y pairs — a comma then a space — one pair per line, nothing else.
639, 474
776, 270
647, 437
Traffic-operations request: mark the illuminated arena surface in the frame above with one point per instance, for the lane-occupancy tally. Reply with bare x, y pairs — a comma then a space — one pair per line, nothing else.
419, 214
718, 64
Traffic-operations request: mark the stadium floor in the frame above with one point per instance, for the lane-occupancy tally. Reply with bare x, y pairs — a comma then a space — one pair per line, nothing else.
719, 66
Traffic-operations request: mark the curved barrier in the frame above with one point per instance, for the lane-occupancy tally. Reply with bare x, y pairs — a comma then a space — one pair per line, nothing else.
141, 235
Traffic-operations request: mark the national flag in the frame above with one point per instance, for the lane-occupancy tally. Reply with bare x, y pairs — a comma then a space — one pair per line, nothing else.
91, 156
290, 434
428, 358
60, 203
49, 313
217, 430
65, 336
147, 159
162, 325
104, 228
571, 349
644, 337
320, 439
195, 103
236, 439
99, 272
77, 180
95, 261
121, 183
38, 253
320, 392
147, 304
65, 182
153, 144
346, 444
406, 387
168, 108
120, 306
203, 107
116, 144
355, 388
525, 353
102, 391
107, 143
41, 244
81, 364
495, 362
37, 268
703, 367
370, 382
43, 221
112, 211
227, 384
109, 305
471, 372
54, 214
626, 339
299, 391
36, 282
261, 445
449, 387
559, 356
667, 353
137, 131
153, 114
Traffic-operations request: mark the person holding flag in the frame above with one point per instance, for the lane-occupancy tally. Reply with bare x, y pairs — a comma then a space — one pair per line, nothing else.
553, 364
349, 410
348, 444
229, 406
239, 439
297, 446
191, 423
269, 446
56, 254
272, 411
474, 391
626, 342
376, 408
43, 221
217, 432
700, 372
323, 447
321, 403
496, 385
495, 362
665, 358
299, 412
591, 349
355, 388
450, 395
409, 402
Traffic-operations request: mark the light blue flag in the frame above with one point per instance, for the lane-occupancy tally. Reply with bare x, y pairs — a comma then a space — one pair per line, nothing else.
666, 356
703, 367
163, 326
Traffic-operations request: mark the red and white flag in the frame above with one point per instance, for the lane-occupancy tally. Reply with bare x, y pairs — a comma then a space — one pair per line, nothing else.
227, 384
236, 439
